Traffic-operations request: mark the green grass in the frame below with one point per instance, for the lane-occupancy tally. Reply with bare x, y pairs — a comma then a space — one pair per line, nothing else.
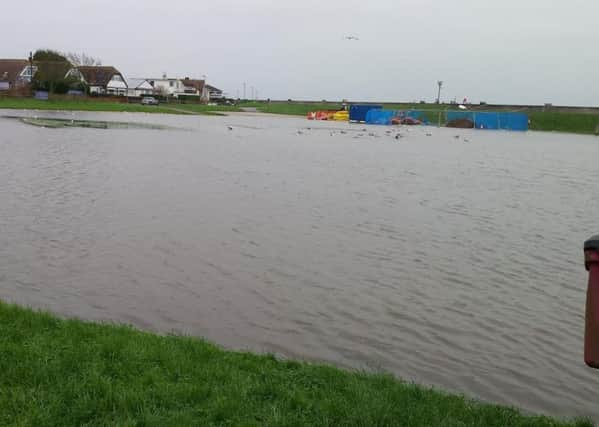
57, 372
90, 104
584, 123
291, 108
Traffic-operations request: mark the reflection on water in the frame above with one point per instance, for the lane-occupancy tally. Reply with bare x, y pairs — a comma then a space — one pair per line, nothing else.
451, 263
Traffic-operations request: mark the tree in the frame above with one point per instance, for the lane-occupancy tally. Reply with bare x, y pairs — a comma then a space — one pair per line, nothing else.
52, 68
49, 55
81, 59
161, 92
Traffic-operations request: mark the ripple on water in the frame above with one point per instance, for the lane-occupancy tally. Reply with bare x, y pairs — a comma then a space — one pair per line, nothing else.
452, 265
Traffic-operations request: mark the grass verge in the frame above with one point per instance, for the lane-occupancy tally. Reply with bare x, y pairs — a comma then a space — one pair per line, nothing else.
68, 372
87, 104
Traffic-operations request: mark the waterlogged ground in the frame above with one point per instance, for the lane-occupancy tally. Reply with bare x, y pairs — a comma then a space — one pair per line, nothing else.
448, 257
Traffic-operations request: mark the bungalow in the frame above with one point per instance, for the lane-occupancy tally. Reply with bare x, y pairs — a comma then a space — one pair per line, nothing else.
214, 92
139, 87
177, 87
101, 80
15, 73
166, 86
195, 88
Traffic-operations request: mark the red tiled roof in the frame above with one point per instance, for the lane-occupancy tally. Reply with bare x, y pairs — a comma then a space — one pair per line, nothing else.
196, 84
98, 76
10, 69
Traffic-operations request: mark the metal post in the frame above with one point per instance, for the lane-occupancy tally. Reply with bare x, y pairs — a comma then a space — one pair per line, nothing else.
591, 333
440, 84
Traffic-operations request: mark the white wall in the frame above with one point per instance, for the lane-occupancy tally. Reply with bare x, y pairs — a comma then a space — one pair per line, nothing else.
171, 86
116, 86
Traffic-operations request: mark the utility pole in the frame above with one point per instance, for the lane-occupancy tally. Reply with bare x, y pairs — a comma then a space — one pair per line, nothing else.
252, 91
244, 90
440, 84
31, 67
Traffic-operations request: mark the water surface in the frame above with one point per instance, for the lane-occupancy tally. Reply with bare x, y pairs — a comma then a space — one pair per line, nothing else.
450, 263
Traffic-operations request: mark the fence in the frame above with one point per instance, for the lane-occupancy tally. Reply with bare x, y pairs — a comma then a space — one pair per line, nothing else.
491, 120
478, 120
384, 117
358, 112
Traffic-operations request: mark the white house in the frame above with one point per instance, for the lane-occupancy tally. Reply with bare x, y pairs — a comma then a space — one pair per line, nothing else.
197, 88
177, 87
139, 87
101, 80
166, 86
214, 92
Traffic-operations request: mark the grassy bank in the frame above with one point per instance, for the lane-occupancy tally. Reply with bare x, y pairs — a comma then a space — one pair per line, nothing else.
68, 372
565, 122
90, 104
290, 108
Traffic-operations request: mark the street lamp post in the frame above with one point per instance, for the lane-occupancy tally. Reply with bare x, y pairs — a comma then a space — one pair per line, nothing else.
30, 67
440, 84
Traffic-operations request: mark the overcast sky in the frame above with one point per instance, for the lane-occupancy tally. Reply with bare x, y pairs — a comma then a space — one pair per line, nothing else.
509, 51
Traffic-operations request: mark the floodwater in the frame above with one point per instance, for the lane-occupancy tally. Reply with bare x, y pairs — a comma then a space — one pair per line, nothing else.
449, 263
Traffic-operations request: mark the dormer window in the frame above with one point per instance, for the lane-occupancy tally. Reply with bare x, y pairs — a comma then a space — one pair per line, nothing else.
27, 72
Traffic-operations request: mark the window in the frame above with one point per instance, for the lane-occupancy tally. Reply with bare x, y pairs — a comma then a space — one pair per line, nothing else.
171, 83
117, 78
27, 71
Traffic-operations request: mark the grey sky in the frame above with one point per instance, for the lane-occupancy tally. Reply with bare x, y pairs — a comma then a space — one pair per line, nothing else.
512, 51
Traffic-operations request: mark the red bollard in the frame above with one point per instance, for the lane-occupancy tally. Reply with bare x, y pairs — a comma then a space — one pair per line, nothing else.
591, 333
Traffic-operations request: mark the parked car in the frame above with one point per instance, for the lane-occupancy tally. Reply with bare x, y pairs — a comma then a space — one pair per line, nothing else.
149, 100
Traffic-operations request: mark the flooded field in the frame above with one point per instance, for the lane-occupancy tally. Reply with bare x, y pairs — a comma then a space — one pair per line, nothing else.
447, 257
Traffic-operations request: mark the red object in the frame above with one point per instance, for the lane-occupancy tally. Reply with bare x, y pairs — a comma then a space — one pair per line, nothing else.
411, 121
591, 333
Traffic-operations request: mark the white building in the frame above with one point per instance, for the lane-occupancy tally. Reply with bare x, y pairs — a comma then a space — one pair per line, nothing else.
214, 92
166, 86
177, 87
139, 87
101, 80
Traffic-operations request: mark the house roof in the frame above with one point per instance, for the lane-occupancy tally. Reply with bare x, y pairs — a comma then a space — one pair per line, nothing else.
196, 84
213, 89
136, 83
96, 75
11, 68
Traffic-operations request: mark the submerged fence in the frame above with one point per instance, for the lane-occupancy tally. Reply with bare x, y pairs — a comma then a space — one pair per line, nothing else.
490, 120
472, 119
384, 117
